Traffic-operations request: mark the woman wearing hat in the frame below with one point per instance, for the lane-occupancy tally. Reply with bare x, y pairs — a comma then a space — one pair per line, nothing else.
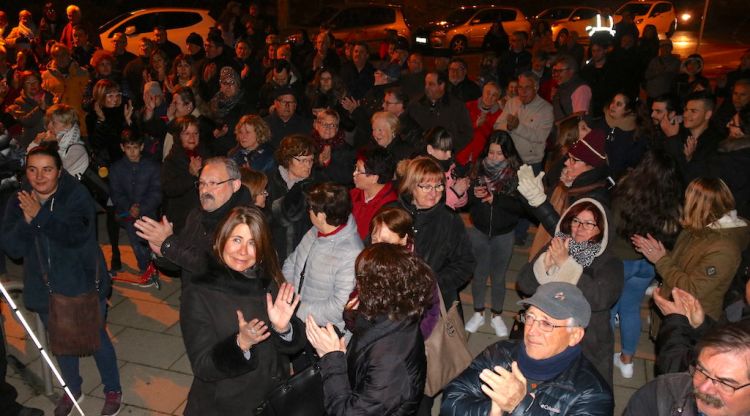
583, 173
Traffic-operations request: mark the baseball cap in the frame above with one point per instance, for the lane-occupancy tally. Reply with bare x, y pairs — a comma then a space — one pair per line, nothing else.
561, 301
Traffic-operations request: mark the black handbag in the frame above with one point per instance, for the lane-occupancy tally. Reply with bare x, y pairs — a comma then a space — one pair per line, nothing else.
300, 395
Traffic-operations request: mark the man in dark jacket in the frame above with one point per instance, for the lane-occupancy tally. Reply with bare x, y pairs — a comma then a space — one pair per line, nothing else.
545, 374
715, 385
220, 190
438, 108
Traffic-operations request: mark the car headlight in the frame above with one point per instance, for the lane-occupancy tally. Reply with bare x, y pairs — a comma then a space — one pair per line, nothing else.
685, 17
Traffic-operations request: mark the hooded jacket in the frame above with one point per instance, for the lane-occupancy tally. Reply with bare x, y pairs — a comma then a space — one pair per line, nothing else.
601, 284
703, 262
59, 241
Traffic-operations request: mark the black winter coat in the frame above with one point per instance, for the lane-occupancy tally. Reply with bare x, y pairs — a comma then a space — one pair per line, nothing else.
382, 373
178, 185
136, 183
225, 383
498, 218
579, 390
440, 239
190, 249
732, 165
60, 240
288, 213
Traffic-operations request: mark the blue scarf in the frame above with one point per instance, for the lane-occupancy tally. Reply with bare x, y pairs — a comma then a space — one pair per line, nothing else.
548, 368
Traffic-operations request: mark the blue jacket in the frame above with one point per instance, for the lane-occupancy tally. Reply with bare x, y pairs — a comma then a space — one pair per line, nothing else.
136, 183
578, 390
60, 240
260, 159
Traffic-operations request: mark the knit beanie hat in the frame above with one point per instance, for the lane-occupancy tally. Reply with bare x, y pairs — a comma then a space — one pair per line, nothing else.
590, 148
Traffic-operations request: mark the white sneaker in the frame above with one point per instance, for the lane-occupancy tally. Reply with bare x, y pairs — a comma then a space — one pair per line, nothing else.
476, 321
625, 369
499, 326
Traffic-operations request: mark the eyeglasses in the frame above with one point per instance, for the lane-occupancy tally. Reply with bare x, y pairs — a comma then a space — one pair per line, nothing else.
360, 172
586, 225
559, 70
700, 375
429, 188
287, 103
210, 184
544, 325
307, 160
327, 125
391, 102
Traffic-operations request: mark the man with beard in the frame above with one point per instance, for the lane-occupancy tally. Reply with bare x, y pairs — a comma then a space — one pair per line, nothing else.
220, 190
665, 115
716, 384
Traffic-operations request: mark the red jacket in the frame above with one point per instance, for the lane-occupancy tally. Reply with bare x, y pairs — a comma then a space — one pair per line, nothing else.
474, 149
364, 211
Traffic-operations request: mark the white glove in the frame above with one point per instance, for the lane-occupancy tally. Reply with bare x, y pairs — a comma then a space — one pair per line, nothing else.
531, 187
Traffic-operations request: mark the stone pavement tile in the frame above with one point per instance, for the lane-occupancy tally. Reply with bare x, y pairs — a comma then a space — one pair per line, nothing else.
174, 298
479, 341
182, 365
137, 411
149, 348
181, 410
153, 316
125, 290
175, 330
154, 389
622, 396
24, 391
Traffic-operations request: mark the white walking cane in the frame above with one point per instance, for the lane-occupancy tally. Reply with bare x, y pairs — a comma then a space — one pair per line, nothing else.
51, 365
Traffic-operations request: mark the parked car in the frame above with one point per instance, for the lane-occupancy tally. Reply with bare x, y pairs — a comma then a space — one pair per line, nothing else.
464, 28
573, 18
369, 23
179, 22
658, 13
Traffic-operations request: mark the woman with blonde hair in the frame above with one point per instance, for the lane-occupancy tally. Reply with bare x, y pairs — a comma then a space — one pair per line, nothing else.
385, 128
62, 127
253, 148
707, 252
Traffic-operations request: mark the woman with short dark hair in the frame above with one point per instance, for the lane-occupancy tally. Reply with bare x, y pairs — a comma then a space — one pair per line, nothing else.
321, 267
383, 370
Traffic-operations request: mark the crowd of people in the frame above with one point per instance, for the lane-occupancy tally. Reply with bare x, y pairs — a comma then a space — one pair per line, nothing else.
318, 200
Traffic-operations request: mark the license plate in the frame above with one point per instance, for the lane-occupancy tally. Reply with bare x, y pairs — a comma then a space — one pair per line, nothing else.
421, 40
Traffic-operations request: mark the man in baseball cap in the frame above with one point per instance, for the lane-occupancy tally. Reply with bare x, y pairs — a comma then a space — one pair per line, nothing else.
546, 373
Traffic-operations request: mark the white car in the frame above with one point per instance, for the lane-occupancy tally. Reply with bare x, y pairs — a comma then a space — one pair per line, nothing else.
179, 23
573, 18
658, 13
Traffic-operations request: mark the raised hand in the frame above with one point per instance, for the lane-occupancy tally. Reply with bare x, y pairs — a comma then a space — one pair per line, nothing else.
323, 339
505, 388
29, 204
281, 310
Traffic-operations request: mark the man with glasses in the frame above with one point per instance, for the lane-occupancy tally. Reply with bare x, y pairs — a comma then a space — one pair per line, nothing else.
717, 384
219, 189
572, 95
284, 119
544, 374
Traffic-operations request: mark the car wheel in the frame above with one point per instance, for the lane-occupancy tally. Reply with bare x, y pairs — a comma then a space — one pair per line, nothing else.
458, 45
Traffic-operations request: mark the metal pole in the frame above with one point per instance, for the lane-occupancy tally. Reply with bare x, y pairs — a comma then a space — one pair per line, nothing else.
703, 24
46, 373
42, 350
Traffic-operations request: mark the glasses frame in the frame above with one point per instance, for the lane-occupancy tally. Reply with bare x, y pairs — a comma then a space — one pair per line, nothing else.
211, 184
310, 161
586, 225
430, 188
720, 385
544, 325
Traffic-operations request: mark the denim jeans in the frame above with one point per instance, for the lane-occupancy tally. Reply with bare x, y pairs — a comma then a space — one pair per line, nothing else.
140, 246
638, 276
493, 257
106, 360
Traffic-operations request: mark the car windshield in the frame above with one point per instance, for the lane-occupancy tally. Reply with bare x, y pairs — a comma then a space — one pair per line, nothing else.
638, 9
460, 16
556, 14
113, 22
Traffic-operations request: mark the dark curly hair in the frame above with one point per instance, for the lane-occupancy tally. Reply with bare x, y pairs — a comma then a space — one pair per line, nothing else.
393, 282
649, 199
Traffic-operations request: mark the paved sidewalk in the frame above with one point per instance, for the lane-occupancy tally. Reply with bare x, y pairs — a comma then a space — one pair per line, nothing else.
154, 369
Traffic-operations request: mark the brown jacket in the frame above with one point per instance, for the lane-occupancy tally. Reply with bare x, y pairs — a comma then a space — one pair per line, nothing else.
704, 263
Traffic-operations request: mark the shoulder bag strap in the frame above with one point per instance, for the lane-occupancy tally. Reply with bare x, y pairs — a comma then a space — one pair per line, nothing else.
45, 278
